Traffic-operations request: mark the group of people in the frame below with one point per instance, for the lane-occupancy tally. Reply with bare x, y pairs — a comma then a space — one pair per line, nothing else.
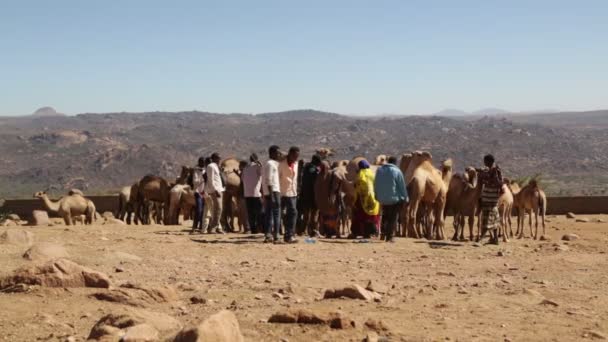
283, 189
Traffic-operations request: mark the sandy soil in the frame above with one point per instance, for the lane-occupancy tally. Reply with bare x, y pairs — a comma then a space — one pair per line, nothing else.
457, 292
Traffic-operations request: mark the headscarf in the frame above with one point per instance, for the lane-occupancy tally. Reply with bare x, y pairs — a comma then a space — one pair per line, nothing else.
364, 189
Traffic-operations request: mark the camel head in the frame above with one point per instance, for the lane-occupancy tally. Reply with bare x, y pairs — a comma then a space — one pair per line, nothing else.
471, 175
406, 158
380, 159
324, 152
40, 194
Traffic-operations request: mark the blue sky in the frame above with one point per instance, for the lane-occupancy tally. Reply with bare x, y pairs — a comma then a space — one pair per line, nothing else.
355, 57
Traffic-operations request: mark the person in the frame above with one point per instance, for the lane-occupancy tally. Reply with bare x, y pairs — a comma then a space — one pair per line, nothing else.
288, 180
271, 189
251, 178
198, 184
215, 189
306, 198
392, 194
366, 212
242, 207
491, 182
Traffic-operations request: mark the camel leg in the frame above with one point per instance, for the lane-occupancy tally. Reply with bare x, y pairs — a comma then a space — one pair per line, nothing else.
411, 224
530, 223
67, 218
535, 224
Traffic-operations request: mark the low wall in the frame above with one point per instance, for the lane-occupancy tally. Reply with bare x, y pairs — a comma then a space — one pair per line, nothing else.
556, 206
24, 207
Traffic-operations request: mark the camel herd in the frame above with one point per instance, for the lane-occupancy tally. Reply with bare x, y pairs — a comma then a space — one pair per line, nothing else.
435, 192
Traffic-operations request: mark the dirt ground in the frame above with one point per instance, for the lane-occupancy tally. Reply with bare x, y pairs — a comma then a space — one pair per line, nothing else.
436, 292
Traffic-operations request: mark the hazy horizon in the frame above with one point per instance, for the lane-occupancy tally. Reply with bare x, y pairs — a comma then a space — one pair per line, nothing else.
349, 57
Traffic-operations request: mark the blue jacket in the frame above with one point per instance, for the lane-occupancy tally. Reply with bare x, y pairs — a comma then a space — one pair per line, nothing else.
390, 185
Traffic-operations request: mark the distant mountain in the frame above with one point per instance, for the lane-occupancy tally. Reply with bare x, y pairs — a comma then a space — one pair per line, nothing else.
489, 112
46, 112
451, 112
459, 113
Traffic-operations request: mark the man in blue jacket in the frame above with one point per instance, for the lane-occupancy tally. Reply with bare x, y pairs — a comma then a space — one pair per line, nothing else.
391, 193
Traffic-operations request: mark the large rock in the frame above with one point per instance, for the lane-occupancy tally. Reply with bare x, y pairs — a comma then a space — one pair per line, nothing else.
352, 291
221, 327
45, 251
335, 320
57, 273
40, 218
134, 325
140, 296
18, 237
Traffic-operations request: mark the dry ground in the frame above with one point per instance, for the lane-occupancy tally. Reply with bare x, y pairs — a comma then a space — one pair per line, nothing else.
459, 292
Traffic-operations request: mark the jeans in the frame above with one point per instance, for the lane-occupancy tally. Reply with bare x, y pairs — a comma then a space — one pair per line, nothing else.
272, 215
254, 211
291, 215
198, 211
390, 214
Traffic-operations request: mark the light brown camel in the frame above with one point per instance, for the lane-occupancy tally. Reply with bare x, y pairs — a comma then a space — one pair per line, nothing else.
532, 200
125, 204
185, 175
380, 159
324, 153
181, 199
427, 185
68, 207
462, 201
152, 189
230, 170
505, 207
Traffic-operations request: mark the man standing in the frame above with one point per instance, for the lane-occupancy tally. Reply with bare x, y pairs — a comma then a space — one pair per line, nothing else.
251, 178
288, 177
198, 184
308, 206
215, 190
392, 194
491, 187
271, 189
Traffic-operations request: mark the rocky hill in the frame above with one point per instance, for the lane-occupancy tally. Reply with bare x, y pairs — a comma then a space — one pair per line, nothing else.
101, 152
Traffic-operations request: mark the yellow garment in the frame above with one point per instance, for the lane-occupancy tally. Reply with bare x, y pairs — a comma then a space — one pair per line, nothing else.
364, 190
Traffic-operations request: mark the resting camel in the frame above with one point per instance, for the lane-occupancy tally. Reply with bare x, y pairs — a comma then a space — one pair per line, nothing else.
532, 200
427, 185
462, 201
125, 204
69, 207
152, 189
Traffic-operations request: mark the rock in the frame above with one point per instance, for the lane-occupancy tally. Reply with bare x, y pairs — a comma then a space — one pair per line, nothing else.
17, 237
57, 273
377, 287
70, 339
114, 221
140, 333
570, 237
198, 300
371, 336
600, 221
9, 223
139, 296
119, 269
570, 215
545, 238
277, 295
351, 291
500, 253
335, 320
532, 292
221, 327
582, 220
107, 215
14, 217
113, 326
17, 288
548, 302
45, 251
562, 248
597, 334
376, 325
40, 218
122, 256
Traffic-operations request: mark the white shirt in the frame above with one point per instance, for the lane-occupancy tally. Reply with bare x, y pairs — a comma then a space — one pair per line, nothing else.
270, 177
252, 180
198, 181
214, 180
288, 179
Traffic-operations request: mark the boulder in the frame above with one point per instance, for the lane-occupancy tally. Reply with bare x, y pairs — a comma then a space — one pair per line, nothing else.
352, 291
221, 327
136, 325
57, 273
40, 218
570, 237
335, 320
378, 287
45, 251
139, 296
570, 215
376, 325
18, 237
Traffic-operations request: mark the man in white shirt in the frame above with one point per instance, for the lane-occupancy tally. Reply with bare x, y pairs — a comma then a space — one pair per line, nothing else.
288, 179
252, 191
215, 189
271, 189
198, 184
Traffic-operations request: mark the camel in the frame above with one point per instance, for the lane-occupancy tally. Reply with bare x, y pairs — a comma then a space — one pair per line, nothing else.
69, 207
380, 159
181, 197
462, 200
230, 169
329, 187
340, 164
324, 153
125, 204
532, 200
427, 185
154, 189
185, 176
505, 207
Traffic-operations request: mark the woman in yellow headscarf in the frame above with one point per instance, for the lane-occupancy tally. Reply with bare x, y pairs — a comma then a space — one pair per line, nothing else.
366, 216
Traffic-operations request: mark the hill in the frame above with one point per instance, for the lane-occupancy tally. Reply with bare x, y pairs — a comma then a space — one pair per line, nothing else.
101, 152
